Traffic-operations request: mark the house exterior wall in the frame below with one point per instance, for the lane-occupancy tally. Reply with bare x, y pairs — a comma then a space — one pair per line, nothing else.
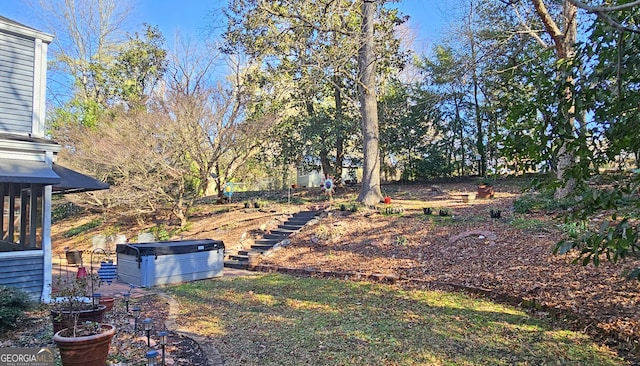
23, 65
16, 83
23, 270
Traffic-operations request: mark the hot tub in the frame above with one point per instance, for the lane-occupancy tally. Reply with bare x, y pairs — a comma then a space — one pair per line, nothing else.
161, 263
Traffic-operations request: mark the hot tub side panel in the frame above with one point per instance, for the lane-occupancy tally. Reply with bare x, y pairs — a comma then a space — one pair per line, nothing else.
166, 269
128, 271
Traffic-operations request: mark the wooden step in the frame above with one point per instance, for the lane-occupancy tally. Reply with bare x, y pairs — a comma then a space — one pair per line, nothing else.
280, 231
293, 228
261, 248
271, 242
239, 258
236, 264
278, 236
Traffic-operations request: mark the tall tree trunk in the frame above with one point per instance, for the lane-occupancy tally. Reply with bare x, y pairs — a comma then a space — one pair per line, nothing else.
370, 193
461, 136
480, 147
324, 162
564, 41
340, 133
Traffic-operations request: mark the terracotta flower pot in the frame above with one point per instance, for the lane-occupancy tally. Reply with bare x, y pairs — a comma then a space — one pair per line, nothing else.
91, 350
108, 302
64, 318
74, 257
485, 191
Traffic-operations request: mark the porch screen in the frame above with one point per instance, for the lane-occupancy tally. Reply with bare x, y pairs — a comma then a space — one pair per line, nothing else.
21, 220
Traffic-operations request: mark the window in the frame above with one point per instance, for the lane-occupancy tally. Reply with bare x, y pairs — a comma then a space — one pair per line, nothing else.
21, 220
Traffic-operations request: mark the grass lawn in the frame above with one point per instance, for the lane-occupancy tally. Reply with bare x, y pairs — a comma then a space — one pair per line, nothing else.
273, 319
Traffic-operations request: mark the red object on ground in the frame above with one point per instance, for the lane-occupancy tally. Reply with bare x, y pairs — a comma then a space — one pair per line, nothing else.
387, 200
82, 272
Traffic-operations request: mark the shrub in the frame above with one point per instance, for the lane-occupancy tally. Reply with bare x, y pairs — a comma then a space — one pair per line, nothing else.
82, 228
164, 233
64, 210
13, 303
543, 202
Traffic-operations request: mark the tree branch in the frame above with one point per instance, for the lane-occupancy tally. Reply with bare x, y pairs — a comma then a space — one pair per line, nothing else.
603, 12
604, 9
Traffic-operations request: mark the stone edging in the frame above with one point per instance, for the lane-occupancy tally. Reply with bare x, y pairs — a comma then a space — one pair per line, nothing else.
213, 356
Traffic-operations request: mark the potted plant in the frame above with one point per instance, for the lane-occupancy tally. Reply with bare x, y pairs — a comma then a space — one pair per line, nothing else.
485, 189
79, 331
73, 302
74, 257
86, 344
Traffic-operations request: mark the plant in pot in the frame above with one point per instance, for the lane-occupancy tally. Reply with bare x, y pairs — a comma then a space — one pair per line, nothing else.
86, 344
73, 302
79, 331
485, 189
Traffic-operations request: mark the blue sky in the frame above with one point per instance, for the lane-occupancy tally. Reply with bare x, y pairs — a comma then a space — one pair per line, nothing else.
192, 17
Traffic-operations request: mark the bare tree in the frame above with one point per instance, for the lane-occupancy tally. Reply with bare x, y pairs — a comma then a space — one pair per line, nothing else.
216, 130
86, 32
138, 155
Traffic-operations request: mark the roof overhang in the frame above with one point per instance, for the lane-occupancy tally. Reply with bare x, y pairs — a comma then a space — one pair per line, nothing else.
74, 182
63, 180
27, 171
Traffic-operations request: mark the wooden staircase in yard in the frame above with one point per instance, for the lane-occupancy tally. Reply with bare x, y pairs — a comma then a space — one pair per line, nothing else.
294, 224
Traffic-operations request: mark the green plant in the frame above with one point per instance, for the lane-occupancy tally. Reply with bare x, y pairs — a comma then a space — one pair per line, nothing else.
74, 300
530, 203
82, 228
64, 210
524, 223
486, 181
388, 210
162, 233
574, 229
401, 240
13, 303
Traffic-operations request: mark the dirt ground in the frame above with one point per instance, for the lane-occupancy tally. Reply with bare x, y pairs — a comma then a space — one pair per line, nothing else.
508, 257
